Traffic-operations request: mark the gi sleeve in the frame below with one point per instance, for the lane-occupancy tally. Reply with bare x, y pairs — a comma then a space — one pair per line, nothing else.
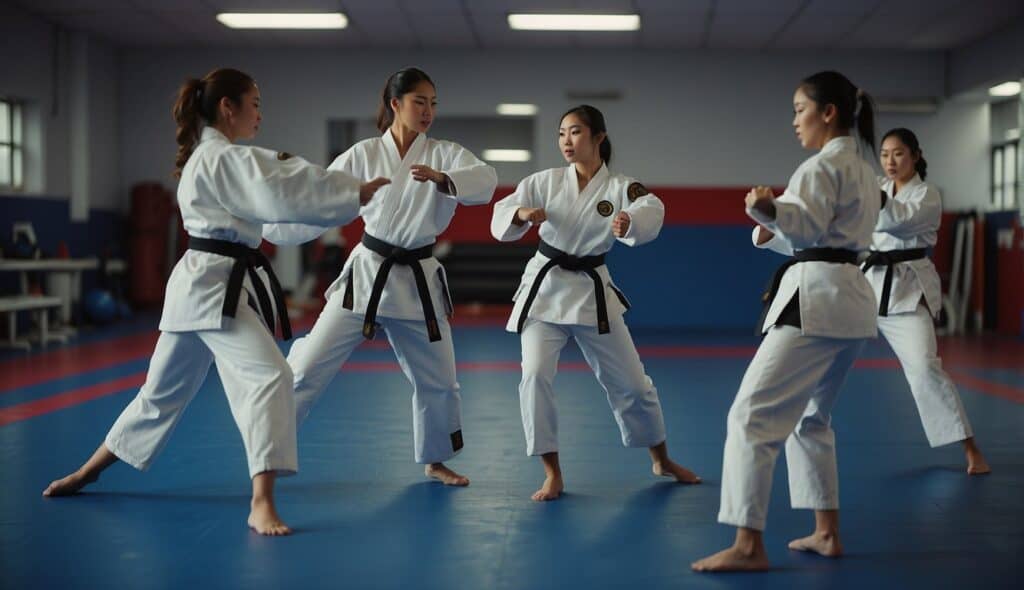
262, 186
471, 180
776, 244
921, 212
505, 210
803, 212
646, 215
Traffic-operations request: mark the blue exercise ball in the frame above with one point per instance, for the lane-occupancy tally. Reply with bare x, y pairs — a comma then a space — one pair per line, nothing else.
100, 306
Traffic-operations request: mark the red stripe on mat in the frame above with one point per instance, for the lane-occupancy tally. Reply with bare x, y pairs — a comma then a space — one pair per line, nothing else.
999, 390
73, 360
69, 399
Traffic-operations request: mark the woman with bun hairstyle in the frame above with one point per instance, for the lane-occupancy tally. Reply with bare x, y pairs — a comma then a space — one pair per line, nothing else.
909, 291
567, 292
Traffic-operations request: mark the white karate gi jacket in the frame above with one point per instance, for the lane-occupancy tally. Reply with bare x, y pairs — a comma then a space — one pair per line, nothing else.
909, 220
831, 201
579, 224
227, 192
405, 213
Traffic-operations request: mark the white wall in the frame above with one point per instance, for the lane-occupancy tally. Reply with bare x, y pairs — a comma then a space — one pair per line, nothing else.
55, 72
687, 118
955, 143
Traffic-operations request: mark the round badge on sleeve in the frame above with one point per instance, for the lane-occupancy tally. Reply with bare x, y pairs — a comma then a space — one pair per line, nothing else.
284, 156
605, 208
635, 191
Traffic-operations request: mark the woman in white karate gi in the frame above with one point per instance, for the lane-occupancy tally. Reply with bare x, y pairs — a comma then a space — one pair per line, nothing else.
223, 301
818, 313
567, 292
391, 280
909, 292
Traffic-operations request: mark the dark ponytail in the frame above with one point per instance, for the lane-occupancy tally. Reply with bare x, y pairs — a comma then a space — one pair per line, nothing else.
400, 83
593, 119
910, 140
854, 106
197, 105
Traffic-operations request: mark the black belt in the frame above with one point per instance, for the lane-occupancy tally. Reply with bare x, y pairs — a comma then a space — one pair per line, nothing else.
889, 259
248, 260
834, 255
585, 264
395, 255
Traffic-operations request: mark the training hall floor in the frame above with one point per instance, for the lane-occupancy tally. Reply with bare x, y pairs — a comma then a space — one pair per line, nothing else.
365, 517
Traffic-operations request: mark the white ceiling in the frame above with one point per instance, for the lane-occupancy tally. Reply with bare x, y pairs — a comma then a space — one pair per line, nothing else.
682, 24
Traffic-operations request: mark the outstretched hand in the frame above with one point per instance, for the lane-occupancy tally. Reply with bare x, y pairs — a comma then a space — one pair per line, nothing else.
422, 173
367, 189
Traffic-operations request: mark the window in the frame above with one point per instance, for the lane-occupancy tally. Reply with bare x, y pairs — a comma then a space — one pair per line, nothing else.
12, 152
1005, 166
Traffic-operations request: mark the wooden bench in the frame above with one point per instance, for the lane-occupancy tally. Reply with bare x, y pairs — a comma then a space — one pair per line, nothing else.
12, 304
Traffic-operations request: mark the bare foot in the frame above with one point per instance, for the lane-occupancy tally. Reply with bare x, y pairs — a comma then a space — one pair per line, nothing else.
445, 475
69, 485
264, 520
826, 544
673, 469
976, 464
733, 559
551, 490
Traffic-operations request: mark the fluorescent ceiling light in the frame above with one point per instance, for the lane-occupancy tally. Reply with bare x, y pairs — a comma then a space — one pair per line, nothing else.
292, 20
507, 155
574, 22
513, 109
1005, 89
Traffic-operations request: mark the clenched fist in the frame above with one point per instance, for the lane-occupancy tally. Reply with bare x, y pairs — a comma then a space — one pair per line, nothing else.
620, 225
531, 215
762, 199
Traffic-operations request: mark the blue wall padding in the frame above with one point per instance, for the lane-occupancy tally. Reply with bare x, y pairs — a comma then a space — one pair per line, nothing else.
696, 276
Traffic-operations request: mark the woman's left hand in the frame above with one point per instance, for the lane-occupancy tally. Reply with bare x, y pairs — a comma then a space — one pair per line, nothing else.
620, 225
424, 173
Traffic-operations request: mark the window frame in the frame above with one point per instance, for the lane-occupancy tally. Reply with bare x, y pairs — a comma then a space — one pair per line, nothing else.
15, 145
999, 198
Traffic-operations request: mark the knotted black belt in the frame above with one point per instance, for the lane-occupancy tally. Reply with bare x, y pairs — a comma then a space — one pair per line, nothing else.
248, 260
835, 255
584, 264
889, 259
395, 255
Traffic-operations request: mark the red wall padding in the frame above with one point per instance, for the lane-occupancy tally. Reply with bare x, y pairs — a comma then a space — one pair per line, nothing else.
683, 206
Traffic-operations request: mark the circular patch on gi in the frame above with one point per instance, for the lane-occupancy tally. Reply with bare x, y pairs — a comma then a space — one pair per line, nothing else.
635, 191
284, 156
605, 208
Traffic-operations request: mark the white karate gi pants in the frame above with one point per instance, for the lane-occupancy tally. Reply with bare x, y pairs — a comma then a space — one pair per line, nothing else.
429, 367
787, 394
912, 338
256, 379
616, 364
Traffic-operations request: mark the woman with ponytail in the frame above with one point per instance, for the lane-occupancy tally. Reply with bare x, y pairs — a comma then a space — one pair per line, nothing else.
817, 315
909, 291
566, 292
223, 301
391, 280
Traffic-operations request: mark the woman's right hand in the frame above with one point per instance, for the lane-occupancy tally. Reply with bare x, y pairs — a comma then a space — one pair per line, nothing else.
367, 189
531, 215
